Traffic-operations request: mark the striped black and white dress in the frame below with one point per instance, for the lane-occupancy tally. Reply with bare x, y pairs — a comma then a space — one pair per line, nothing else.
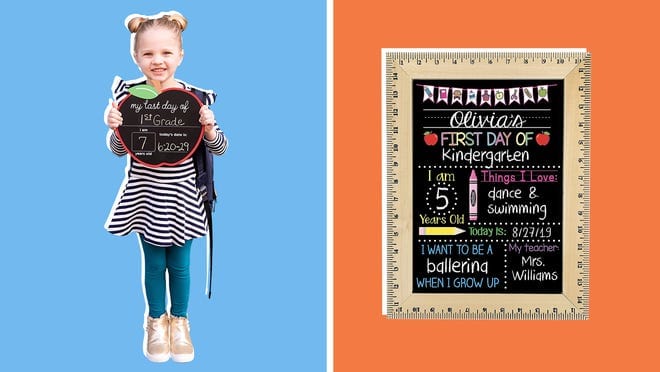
162, 204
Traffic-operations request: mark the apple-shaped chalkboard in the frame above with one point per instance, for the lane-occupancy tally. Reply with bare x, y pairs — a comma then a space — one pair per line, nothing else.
160, 129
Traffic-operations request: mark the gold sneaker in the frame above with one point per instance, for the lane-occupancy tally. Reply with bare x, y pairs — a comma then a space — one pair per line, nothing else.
181, 347
156, 345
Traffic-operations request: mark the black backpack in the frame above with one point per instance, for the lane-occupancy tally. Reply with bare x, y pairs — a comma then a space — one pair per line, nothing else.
203, 160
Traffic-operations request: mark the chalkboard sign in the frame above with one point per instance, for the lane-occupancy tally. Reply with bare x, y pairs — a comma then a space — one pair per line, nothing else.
487, 195
160, 129
486, 188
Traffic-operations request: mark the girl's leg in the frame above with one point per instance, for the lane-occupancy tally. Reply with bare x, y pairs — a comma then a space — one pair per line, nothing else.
156, 344
178, 268
154, 277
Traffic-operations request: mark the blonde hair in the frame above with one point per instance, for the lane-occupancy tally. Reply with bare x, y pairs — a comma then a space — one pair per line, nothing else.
172, 20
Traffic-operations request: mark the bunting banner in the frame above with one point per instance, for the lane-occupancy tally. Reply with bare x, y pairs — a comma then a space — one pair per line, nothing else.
514, 95
528, 94
428, 93
499, 96
486, 96
443, 95
457, 95
472, 96
542, 93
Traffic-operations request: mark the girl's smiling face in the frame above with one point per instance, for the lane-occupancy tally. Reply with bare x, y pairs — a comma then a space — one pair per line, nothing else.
158, 53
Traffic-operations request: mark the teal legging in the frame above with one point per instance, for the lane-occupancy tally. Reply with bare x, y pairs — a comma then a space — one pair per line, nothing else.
177, 262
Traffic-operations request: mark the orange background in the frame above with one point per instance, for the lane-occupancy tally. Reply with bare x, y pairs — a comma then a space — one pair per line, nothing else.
622, 332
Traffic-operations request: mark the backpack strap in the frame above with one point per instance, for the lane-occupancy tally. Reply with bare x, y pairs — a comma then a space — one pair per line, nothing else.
209, 249
203, 161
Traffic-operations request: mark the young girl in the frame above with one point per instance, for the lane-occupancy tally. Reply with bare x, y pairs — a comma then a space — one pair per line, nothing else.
162, 205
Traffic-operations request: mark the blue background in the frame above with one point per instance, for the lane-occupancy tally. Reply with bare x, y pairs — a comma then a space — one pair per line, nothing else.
71, 293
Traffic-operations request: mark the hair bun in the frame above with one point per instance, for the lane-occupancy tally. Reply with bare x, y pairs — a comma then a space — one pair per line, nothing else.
134, 21
178, 18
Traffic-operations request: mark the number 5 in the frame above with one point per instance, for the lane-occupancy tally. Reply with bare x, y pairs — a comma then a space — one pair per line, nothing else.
442, 197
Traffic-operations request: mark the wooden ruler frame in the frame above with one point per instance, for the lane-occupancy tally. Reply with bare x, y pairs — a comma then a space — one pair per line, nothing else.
399, 68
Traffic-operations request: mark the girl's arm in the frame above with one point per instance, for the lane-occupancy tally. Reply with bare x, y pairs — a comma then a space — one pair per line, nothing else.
113, 120
215, 139
219, 144
113, 143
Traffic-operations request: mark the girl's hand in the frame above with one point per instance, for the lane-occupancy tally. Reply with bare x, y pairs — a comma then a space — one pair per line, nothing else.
207, 119
113, 117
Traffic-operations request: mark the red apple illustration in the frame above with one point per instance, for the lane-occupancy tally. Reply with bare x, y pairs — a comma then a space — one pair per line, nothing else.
430, 138
543, 138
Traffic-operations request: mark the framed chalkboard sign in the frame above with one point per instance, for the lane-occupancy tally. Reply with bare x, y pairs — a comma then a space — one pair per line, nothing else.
160, 129
486, 184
